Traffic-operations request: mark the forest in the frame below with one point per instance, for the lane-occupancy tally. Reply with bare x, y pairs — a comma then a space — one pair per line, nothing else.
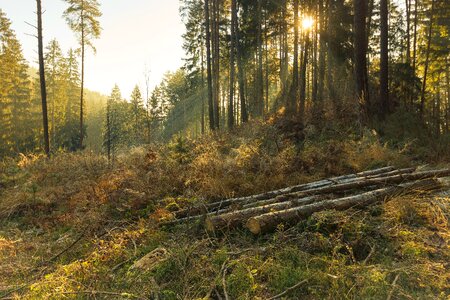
301, 151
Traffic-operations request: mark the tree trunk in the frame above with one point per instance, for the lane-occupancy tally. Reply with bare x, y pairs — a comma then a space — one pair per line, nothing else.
427, 60
216, 59
241, 74
416, 20
209, 67
384, 59
408, 31
259, 74
321, 71
232, 65
292, 102
360, 48
302, 104
42, 78
82, 79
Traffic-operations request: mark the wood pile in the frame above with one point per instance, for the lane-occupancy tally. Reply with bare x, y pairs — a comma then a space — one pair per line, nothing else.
264, 212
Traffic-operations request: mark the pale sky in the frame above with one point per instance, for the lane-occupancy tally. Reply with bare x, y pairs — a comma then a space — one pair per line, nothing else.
136, 34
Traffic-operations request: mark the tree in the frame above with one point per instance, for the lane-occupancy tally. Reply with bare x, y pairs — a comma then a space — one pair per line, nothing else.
360, 55
137, 116
113, 126
42, 78
82, 17
17, 122
384, 59
427, 59
232, 64
295, 80
209, 79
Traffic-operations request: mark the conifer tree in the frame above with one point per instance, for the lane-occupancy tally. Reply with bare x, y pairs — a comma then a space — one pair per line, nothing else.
82, 17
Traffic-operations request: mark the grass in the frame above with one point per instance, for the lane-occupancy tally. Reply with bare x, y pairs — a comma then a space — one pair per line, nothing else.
110, 212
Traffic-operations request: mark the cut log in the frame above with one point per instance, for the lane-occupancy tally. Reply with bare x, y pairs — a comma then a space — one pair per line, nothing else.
239, 217
269, 221
355, 184
215, 206
394, 172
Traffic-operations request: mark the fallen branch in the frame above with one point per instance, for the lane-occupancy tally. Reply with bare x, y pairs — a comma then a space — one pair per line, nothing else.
288, 290
105, 293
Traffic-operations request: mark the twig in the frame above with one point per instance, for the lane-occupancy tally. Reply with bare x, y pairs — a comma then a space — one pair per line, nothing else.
93, 293
68, 248
372, 251
288, 290
393, 287
224, 282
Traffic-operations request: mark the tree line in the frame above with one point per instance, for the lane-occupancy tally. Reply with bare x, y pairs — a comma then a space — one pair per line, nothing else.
363, 60
310, 60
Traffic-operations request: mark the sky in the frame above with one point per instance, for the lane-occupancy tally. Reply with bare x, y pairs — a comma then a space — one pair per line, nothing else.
137, 35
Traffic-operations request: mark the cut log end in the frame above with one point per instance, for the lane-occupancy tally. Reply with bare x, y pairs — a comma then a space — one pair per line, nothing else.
254, 226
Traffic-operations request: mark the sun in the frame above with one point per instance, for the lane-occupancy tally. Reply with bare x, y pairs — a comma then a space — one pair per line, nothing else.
307, 23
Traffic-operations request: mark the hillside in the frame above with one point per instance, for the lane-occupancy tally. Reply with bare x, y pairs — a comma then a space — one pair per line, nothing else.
75, 227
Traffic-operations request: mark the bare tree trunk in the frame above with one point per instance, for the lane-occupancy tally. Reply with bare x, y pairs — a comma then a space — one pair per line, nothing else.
83, 36
384, 59
209, 67
232, 65
241, 75
416, 20
202, 120
216, 59
302, 104
321, 71
427, 60
292, 102
361, 76
408, 30
259, 75
42, 78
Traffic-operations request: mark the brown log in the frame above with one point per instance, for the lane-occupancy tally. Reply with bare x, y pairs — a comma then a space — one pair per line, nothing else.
270, 221
182, 214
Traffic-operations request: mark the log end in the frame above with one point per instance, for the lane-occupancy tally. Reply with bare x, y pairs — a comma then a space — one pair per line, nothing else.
254, 226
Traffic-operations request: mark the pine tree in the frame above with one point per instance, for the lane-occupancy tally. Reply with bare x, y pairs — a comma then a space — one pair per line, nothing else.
137, 117
113, 127
82, 17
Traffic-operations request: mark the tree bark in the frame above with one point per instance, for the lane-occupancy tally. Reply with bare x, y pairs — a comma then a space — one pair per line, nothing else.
271, 221
232, 65
295, 79
209, 66
384, 59
272, 194
42, 79
241, 72
427, 60
239, 217
82, 78
360, 53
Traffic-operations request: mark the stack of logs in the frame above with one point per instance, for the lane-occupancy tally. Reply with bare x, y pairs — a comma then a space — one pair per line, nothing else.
264, 212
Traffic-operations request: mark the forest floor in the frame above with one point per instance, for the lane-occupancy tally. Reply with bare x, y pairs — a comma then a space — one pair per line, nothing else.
75, 227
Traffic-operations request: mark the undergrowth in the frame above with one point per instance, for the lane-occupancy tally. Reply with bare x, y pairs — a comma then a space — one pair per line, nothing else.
73, 227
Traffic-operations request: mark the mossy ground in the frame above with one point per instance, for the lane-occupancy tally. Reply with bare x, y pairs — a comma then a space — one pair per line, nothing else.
400, 249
